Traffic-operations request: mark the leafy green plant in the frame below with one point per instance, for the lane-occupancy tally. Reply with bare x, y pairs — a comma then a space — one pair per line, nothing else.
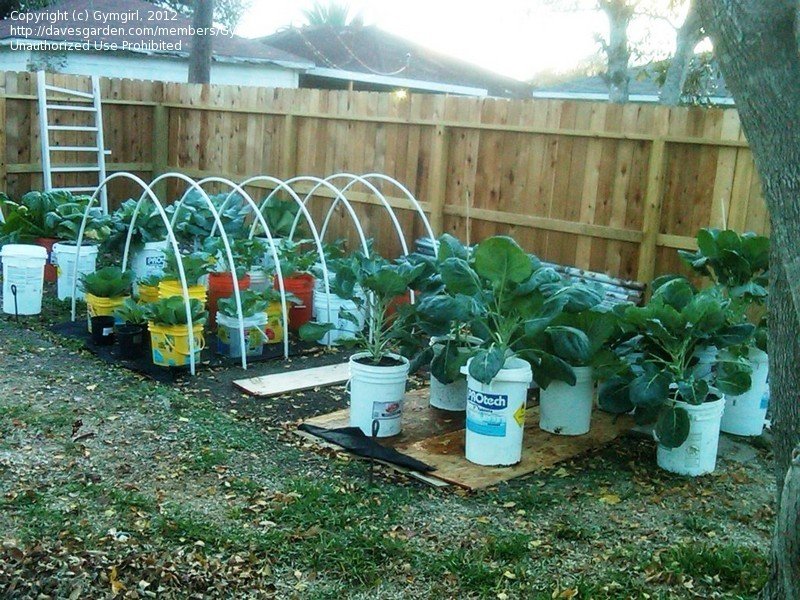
149, 226
512, 302
172, 311
296, 257
279, 215
195, 266
252, 304
27, 219
380, 281
64, 222
247, 253
659, 353
195, 221
108, 282
151, 280
131, 312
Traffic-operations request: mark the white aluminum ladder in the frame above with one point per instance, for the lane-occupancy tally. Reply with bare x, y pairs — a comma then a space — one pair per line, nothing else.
57, 99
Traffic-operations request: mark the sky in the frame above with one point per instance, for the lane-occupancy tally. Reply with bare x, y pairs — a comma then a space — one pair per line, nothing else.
518, 38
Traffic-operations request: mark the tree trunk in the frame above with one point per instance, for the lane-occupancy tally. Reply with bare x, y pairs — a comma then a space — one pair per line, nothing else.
756, 47
784, 581
618, 53
200, 57
686, 40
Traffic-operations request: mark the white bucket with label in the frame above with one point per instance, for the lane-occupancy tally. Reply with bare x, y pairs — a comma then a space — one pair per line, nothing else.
345, 329
565, 409
745, 414
229, 341
376, 393
23, 278
150, 260
698, 454
496, 415
64, 259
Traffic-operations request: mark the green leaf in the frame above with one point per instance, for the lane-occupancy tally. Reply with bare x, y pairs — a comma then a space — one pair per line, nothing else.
500, 260
672, 427
677, 293
733, 335
580, 297
650, 388
311, 332
486, 364
694, 391
448, 358
459, 278
706, 242
569, 343
386, 283
733, 376
614, 396
451, 247
551, 368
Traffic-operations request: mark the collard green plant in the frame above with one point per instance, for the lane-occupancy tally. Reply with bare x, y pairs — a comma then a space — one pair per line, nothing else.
296, 257
252, 304
194, 220
28, 219
131, 312
508, 299
280, 215
149, 226
247, 253
172, 311
372, 283
151, 280
108, 282
64, 222
659, 353
195, 266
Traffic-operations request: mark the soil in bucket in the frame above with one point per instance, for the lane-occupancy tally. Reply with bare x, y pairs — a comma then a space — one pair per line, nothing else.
50, 273
131, 339
220, 285
103, 330
302, 286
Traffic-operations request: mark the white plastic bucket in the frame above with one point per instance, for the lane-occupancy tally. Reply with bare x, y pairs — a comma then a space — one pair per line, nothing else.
150, 260
698, 454
376, 393
64, 258
496, 415
745, 414
450, 396
565, 409
345, 329
23, 268
229, 342
259, 281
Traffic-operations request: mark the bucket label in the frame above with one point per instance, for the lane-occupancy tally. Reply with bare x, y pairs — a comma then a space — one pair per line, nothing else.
764, 401
386, 410
154, 261
484, 413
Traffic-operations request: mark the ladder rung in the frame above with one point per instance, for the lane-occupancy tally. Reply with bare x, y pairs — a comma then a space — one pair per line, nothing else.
71, 107
70, 128
73, 169
75, 149
54, 88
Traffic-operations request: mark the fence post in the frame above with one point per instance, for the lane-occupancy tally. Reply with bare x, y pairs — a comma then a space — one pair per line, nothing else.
160, 147
288, 148
437, 184
651, 220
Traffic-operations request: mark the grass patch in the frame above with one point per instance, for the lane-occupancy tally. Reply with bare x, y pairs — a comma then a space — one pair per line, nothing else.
739, 569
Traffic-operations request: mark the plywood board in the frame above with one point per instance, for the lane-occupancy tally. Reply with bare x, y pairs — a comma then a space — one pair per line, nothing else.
276, 384
436, 438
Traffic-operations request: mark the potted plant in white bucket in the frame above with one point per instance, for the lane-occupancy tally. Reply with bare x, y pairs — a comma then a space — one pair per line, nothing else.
514, 299
657, 379
377, 374
254, 320
738, 265
148, 238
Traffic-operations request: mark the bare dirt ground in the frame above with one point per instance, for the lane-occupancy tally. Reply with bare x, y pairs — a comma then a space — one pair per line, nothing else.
112, 485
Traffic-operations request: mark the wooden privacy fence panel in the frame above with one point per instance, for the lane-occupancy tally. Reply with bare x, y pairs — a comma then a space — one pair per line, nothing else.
614, 188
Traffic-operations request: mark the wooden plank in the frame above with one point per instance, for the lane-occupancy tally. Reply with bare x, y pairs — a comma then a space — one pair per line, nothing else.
160, 149
437, 438
293, 381
652, 211
437, 184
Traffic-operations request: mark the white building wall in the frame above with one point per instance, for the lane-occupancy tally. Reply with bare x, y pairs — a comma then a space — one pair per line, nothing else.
148, 67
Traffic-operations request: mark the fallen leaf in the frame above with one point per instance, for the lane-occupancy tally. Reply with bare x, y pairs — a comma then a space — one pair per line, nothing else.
610, 499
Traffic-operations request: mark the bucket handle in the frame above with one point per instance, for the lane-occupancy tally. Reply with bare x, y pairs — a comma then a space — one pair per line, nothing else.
200, 344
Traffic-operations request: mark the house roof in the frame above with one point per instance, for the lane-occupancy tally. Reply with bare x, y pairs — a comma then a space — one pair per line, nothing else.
642, 88
63, 22
367, 53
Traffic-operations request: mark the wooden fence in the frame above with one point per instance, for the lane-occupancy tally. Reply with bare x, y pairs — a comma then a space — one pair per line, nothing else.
614, 188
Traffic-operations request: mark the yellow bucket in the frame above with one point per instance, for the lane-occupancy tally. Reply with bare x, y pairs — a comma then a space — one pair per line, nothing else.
273, 328
102, 307
172, 287
170, 344
148, 294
